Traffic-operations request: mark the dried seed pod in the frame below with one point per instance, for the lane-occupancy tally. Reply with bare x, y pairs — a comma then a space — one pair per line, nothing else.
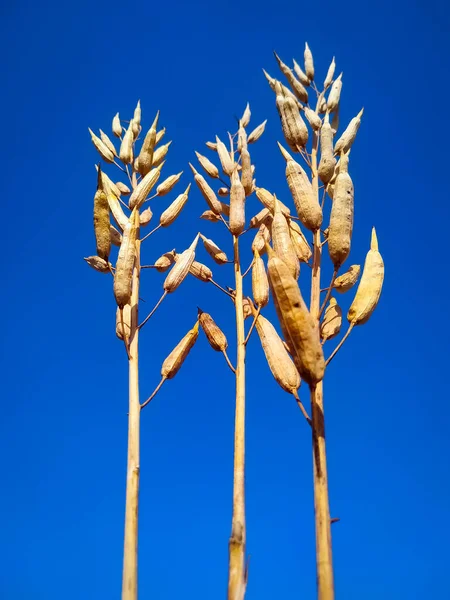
214, 251
176, 358
304, 79
330, 75
223, 192
200, 271
292, 124
168, 184
341, 218
125, 261
299, 328
209, 215
245, 119
172, 212
126, 147
279, 361
212, 145
225, 159
246, 308
225, 208
98, 264
335, 94
327, 160
370, 286
101, 147
207, 192
116, 126
114, 205
160, 154
268, 200
309, 63
108, 143
144, 187
347, 280
214, 334
116, 236
323, 106
236, 221
259, 218
257, 133
209, 167
145, 217
346, 140
277, 87
313, 119
332, 321
301, 246
145, 160
181, 268
101, 220
261, 239
335, 120
110, 184
123, 189
160, 134
123, 322
246, 173
137, 119
306, 202
282, 243
260, 283
297, 87
165, 261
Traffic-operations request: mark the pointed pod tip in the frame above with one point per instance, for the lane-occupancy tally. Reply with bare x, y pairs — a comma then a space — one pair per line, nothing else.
193, 169
199, 311
284, 152
374, 240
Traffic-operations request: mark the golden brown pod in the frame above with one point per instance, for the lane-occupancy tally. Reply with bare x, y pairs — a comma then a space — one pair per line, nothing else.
268, 200
212, 146
114, 205
332, 321
123, 189
327, 161
313, 119
137, 119
168, 184
257, 133
172, 212
207, 192
181, 268
236, 221
347, 280
123, 322
144, 187
225, 159
335, 120
309, 63
335, 94
160, 154
370, 286
245, 119
108, 143
261, 238
223, 192
176, 358
145, 217
225, 209
299, 328
98, 264
330, 75
214, 251
282, 243
165, 261
116, 236
209, 167
306, 202
160, 134
300, 74
246, 172
259, 218
200, 271
116, 126
145, 159
101, 220
341, 218
209, 215
300, 243
296, 85
260, 283
126, 147
292, 124
125, 261
215, 336
101, 147
346, 140
246, 308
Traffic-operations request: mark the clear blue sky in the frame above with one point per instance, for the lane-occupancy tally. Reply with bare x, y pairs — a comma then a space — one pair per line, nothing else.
63, 432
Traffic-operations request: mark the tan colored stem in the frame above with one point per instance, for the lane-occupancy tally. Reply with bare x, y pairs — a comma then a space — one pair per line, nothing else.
155, 391
152, 312
329, 292
325, 583
129, 580
301, 407
338, 347
255, 318
224, 352
237, 577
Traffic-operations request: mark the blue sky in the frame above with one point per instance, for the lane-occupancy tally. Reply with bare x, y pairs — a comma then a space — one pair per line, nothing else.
63, 433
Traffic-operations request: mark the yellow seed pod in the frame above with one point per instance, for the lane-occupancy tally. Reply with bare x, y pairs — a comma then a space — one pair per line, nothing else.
214, 251
212, 146
160, 154
300, 243
144, 187
330, 75
268, 200
296, 85
332, 321
125, 261
335, 94
168, 184
313, 119
292, 124
207, 192
109, 183
165, 261
370, 286
114, 205
101, 147
160, 134
145, 159
327, 160
116, 126
346, 140
145, 217
108, 143
306, 202
225, 159
172, 212
126, 147
200, 271
246, 173
209, 167
137, 119
259, 218
245, 119
176, 358
323, 106
181, 268
279, 361
236, 221
101, 220
341, 218
282, 243
116, 236
299, 328
304, 79
209, 215
214, 334
260, 283
98, 264
261, 239
125, 316
223, 192
257, 133
123, 189
347, 280
309, 63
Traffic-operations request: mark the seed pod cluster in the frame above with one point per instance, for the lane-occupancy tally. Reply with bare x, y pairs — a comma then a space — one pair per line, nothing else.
176, 358
347, 280
260, 283
341, 218
332, 321
181, 268
237, 205
173, 211
125, 261
214, 334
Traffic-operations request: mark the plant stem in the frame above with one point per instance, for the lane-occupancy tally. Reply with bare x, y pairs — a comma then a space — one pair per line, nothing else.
237, 577
129, 580
325, 582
